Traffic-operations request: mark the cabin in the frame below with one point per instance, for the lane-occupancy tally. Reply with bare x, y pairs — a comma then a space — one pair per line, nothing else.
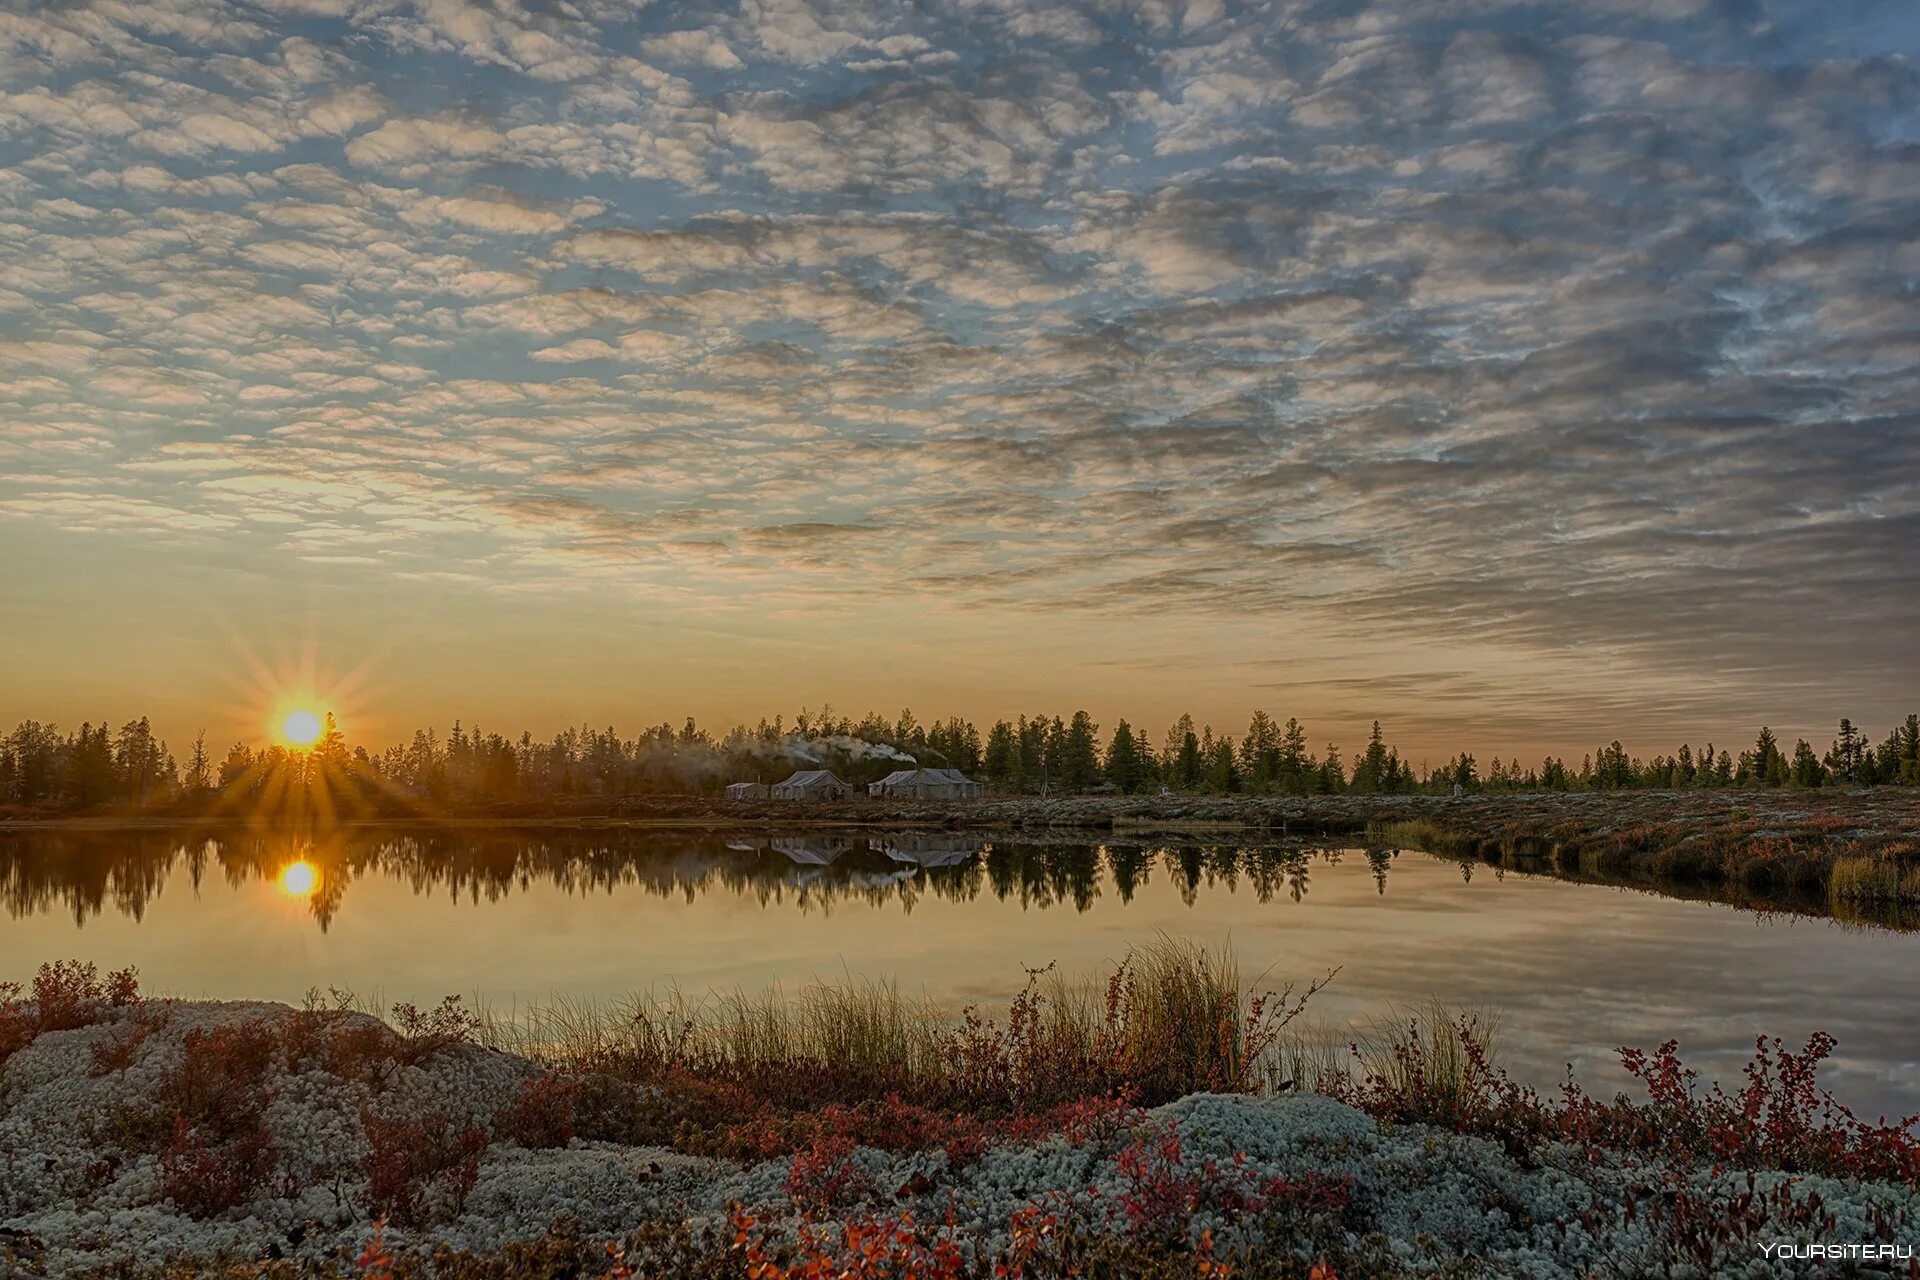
747, 790
810, 784
926, 784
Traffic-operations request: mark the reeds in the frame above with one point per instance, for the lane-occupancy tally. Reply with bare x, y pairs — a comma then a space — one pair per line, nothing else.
1169, 1018
1872, 879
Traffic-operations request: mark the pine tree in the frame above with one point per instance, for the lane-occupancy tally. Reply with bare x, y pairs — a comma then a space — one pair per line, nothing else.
1370, 769
1222, 772
1259, 759
1295, 767
1806, 770
1333, 774
1003, 757
1080, 753
1123, 765
199, 775
1766, 765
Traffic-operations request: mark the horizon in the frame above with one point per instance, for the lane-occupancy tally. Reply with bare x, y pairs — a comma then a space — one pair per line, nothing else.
270, 732
1521, 384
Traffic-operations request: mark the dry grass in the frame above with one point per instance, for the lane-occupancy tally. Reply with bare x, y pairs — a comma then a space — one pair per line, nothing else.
1873, 879
1383, 1048
1170, 1018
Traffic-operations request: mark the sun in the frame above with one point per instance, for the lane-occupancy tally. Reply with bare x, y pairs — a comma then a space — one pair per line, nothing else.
299, 879
300, 728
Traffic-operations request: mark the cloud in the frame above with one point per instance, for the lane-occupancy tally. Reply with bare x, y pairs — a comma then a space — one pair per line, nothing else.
1565, 338
421, 147
699, 48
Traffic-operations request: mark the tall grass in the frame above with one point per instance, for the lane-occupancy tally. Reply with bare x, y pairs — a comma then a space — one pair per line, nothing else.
1169, 1018
1872, 879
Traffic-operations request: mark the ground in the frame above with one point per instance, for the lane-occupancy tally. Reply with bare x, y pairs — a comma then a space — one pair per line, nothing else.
197, 1133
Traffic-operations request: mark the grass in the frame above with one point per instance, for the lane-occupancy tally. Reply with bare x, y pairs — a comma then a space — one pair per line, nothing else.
1428, 1033
1878, 878
1168, 1019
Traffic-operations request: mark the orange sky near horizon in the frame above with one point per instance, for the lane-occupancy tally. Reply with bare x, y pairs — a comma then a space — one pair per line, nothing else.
231, 655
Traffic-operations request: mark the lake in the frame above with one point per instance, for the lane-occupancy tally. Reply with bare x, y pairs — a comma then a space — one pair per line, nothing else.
515, 917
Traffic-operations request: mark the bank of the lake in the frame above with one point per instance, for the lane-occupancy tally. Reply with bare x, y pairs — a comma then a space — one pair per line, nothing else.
142, 1138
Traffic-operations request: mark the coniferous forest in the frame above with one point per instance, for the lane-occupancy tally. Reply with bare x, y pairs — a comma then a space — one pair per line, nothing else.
96, 767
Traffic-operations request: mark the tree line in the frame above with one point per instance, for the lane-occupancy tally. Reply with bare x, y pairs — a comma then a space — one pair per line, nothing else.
96, 767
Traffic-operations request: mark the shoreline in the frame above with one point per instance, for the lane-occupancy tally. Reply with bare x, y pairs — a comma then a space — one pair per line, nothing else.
181, 1139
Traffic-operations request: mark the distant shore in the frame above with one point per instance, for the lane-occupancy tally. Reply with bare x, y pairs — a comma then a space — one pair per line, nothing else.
1879, 809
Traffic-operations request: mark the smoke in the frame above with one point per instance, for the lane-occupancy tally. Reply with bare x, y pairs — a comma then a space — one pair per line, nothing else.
860, 749
817, 751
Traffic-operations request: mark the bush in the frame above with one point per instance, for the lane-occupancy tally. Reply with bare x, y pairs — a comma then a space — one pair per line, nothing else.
205, 1178
542, 1115
418, 1167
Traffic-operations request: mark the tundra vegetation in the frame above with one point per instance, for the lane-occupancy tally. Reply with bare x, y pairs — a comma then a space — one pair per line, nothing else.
1158, 1120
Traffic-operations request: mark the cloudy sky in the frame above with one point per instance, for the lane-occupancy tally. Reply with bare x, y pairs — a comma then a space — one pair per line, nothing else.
1519, 373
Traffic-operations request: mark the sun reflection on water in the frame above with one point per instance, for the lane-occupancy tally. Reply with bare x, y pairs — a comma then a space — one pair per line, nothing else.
299, 879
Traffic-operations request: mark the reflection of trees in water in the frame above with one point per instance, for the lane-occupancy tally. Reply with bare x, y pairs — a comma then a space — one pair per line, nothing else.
87, 873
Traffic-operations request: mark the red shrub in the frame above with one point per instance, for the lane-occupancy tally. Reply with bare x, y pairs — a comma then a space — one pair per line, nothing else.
415, 1165
65, 995
117, 1052
375, 1261
868, 1249
66, 992
542, 1116
204, 1178
1780, 1119
1164, 1190
217, 1088
824, 1176
18, 1026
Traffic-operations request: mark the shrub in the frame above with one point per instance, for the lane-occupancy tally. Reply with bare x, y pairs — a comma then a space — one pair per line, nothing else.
542, 1115
64, 996
824, 1176
425, 1033
1164, 1190
419, 1165
204, 1178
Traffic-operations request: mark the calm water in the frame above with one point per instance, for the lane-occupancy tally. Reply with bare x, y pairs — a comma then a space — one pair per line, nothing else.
516, 918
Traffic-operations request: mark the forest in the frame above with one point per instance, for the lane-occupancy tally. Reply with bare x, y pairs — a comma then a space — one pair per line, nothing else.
97, 768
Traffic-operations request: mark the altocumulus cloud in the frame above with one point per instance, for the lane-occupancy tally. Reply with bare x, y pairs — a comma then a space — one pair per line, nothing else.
1567, 326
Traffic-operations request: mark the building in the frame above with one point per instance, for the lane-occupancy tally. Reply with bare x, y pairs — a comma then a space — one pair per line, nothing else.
747, 790
925, 784
811, 784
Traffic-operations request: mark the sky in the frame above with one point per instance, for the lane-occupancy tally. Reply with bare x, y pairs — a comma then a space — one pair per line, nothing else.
1521, 374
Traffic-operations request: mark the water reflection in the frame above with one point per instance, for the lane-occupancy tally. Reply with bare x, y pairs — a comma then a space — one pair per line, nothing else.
88, 873
299, 879
523, 915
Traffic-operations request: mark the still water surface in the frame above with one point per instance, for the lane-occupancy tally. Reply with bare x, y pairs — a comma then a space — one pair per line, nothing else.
523, 917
